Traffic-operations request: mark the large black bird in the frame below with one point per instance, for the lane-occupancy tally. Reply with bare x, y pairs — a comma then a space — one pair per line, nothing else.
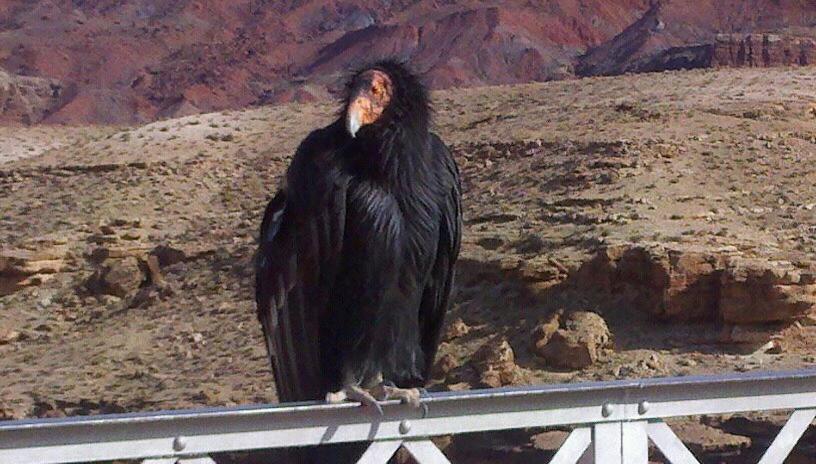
357, 249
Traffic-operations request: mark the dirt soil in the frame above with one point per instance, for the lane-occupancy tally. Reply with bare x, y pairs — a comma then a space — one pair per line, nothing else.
126, 278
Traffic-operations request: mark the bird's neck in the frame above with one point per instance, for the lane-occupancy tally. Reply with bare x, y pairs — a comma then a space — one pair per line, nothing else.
392, 156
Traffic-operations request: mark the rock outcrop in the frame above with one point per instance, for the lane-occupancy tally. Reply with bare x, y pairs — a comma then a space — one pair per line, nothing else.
700, 285
32, 264
756, 291
670, 37
28, 99
763, 50
124, 260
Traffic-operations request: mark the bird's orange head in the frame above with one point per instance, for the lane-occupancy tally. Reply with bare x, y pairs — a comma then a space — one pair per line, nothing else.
371, 92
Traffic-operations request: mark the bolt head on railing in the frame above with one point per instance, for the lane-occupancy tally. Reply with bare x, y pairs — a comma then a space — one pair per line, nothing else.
405, 427
179, 443
643, 407
607, 409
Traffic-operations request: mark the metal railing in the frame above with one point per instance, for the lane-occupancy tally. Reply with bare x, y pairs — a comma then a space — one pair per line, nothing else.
613, 423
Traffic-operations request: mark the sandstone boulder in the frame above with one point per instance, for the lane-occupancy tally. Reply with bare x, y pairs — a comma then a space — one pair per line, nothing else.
154, 271
13, 410
120, 278
550, 440
495, 362
693, 285
27, 262
168, 255
577, 344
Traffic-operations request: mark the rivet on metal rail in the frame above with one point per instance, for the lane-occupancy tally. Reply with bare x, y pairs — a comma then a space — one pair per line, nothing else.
179, 443
405, 427
643, 407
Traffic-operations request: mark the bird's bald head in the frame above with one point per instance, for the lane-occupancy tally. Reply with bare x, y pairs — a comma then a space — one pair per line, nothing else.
371, 91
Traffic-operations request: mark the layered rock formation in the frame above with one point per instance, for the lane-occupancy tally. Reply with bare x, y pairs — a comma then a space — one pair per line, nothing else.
674, 35
707, 285
130, 62
763, 50
31, 264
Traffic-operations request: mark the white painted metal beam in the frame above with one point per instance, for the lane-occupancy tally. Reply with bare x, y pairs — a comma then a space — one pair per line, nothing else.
634, 443
573, 447
606, 443
379, 452
425, 452
788, 437
180, 434
198, 460
667, 442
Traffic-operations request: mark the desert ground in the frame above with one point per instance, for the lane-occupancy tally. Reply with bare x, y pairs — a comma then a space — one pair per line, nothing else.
625, 227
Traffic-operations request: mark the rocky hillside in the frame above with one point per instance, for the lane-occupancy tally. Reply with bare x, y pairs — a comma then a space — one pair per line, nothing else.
29, 99
638, 226
137, 61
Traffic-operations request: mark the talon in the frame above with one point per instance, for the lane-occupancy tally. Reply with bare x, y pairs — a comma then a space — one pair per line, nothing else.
354, 393
410, 396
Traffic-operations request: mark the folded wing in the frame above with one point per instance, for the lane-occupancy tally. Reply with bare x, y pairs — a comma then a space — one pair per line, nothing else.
301, 240
437, 295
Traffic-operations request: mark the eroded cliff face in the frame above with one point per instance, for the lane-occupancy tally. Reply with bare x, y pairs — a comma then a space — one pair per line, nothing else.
132, 62
674, 35
137, 61
763, 50
27, 99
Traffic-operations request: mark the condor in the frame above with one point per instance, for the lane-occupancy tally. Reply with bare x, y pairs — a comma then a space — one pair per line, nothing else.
357, 249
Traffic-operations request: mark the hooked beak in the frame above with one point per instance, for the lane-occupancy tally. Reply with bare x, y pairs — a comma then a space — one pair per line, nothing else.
354, 118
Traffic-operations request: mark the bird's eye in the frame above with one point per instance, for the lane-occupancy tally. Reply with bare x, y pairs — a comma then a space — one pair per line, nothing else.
375, 90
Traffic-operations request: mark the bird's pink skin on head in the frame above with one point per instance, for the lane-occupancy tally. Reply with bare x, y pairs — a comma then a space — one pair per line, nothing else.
368, 101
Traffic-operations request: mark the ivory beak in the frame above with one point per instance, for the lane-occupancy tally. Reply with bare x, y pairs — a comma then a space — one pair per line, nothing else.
353, 119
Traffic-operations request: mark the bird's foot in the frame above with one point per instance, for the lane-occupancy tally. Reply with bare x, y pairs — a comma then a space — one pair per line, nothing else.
354, 393
385, 391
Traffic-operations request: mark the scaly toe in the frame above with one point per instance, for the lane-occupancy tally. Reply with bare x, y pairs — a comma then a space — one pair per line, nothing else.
412, 397
364, 397
409, 396
353, 393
